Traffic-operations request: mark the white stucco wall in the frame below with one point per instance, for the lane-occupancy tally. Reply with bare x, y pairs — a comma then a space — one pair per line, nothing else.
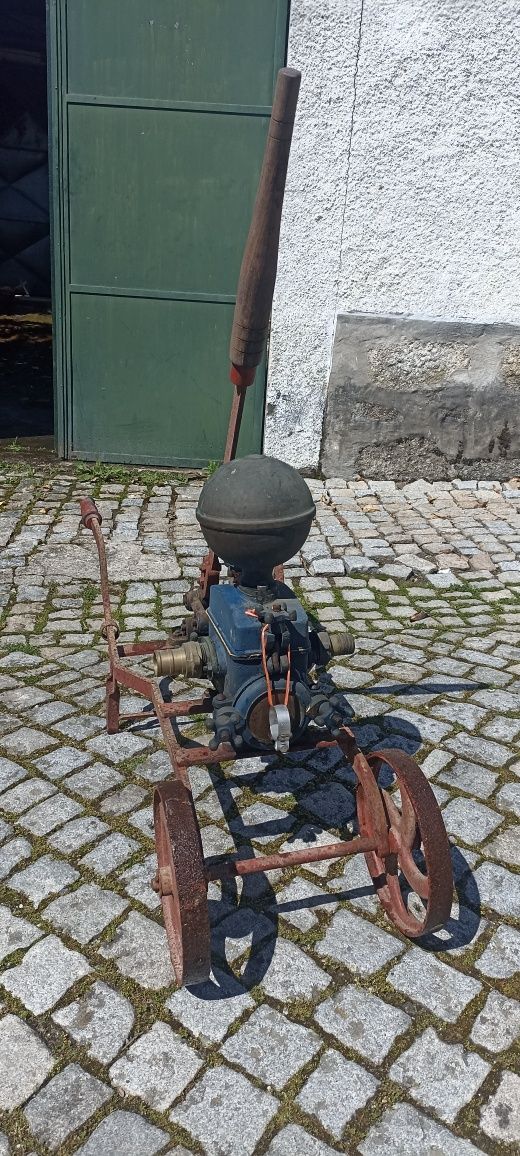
404, 186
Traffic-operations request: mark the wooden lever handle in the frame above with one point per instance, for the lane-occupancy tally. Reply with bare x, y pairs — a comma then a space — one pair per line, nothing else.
259, 263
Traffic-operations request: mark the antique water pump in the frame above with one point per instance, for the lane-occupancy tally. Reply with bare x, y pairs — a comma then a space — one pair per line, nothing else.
265, 661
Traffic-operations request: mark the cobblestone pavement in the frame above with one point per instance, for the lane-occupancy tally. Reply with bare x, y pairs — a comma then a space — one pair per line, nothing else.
322, 1030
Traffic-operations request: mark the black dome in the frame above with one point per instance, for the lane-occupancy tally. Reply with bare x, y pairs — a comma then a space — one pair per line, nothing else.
255, 513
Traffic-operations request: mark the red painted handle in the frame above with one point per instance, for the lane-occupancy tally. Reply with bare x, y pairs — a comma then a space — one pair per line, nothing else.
89, 511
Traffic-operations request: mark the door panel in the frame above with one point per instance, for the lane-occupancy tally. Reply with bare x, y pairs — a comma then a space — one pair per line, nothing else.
160, 111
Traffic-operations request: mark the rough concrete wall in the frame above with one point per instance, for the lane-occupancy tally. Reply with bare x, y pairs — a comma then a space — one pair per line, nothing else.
429, 399
404, 198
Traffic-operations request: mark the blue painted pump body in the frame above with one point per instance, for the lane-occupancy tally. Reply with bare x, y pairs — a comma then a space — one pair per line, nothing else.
236, 638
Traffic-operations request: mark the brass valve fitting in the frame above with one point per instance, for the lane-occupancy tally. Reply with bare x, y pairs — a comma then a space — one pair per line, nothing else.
184, 661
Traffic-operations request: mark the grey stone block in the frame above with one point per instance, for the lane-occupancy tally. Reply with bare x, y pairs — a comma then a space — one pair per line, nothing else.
501, 959
471, 778
294, 1141
13, 853
100, 1021
271, 1047
335, 1091
157, 1067
506, 846
46, 972
224, 1104
25, 1062
124, 1134
77, 833
208, 1010
292, 975
110, 853
431, 982
27, 741
500, 1117
15, 933
61, 762
43, 818
441, 1076
84, 913
25, 795
66, 1102
118, 748
357, 944
93, 781
10, 773
469, 820
498, 888
498, 1024
404, 1129
362, 1022
139, 949
46, 876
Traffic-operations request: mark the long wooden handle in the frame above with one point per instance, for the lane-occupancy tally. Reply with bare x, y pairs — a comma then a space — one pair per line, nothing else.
260, 260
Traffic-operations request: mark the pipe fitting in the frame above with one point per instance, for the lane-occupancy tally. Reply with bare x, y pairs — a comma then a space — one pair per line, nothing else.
186, 661
342, 643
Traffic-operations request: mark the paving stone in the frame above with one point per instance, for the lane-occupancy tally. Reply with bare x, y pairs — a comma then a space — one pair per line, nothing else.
99, 1021
15, 933
10, 773
64, 1104
501, 959
84, 913
13, 853
17, 660
46, 972
52, 813
27, 741
430, 982
402, 1129
61, 762
209, 1009
438, 1075
331, 804
509, 798
498, 1024
143, 821
335, 1091
498, 888
93, 781
156, 767
294, 1141
357, 944
77, 833
118, 748
469, 820
139, 949
81, 727
500, 1117
291, 975
25, 1062
51, 712
46, 876
236, 1109
157, 1067
110, 853
122, 801
26, 795
355, 885
6, 829
506, 846
124, 1134
471, 778
271, 1047
362, 1022
481, 750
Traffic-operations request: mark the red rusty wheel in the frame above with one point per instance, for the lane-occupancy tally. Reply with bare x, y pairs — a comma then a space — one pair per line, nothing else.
181, 882
419, 852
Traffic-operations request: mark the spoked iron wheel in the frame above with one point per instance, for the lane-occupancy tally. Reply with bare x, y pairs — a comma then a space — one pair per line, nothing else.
414, 881
181, 882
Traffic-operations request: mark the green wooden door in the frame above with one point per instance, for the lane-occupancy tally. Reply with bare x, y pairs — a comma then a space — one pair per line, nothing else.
159, 116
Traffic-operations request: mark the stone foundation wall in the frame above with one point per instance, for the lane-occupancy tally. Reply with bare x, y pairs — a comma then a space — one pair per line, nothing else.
417, 398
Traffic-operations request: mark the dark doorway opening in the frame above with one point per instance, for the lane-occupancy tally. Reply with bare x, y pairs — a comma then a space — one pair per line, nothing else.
26, 379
